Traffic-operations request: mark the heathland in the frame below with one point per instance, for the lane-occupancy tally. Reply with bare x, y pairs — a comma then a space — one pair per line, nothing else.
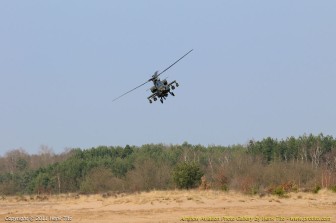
292, 179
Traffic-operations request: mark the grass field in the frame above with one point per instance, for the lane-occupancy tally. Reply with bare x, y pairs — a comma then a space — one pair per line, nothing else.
170, 206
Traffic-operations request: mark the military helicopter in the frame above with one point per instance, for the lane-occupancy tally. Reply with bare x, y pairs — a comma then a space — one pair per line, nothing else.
161, 88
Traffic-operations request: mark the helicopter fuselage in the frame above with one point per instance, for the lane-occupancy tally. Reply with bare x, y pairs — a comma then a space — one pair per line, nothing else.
161, 89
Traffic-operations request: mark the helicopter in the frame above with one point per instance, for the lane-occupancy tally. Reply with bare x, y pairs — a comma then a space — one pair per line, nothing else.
161, 88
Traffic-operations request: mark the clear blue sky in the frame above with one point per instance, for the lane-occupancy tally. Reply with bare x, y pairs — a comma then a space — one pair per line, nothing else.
258, 69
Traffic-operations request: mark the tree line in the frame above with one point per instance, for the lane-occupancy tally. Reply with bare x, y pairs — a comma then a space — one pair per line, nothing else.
307, 162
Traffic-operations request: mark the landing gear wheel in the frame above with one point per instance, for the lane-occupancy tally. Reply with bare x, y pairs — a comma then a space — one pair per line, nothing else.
150, 101
155, 99
177, 84
161, 100
173, 87
172, 93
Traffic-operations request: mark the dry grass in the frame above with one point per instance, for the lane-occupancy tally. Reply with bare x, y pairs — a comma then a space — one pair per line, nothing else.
168, 206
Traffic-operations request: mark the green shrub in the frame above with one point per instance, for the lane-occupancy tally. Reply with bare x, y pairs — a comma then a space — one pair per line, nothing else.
333, 188
279, 191
187, 175
254, 190
316, 189
225, 187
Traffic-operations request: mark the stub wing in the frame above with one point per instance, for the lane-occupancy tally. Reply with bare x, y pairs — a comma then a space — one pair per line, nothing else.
151, 96
171, 83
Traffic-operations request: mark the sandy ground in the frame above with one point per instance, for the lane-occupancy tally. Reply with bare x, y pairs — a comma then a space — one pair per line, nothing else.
171, 206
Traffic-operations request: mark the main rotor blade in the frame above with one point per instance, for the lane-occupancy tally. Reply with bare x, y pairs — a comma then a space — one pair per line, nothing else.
174, 63
130, 90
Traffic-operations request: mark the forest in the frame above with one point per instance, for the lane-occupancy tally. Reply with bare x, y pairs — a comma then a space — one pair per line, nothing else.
304, 163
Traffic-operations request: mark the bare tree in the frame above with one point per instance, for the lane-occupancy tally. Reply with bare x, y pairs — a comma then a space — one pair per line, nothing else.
16, 160
47, 155
315, 154
303, 152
